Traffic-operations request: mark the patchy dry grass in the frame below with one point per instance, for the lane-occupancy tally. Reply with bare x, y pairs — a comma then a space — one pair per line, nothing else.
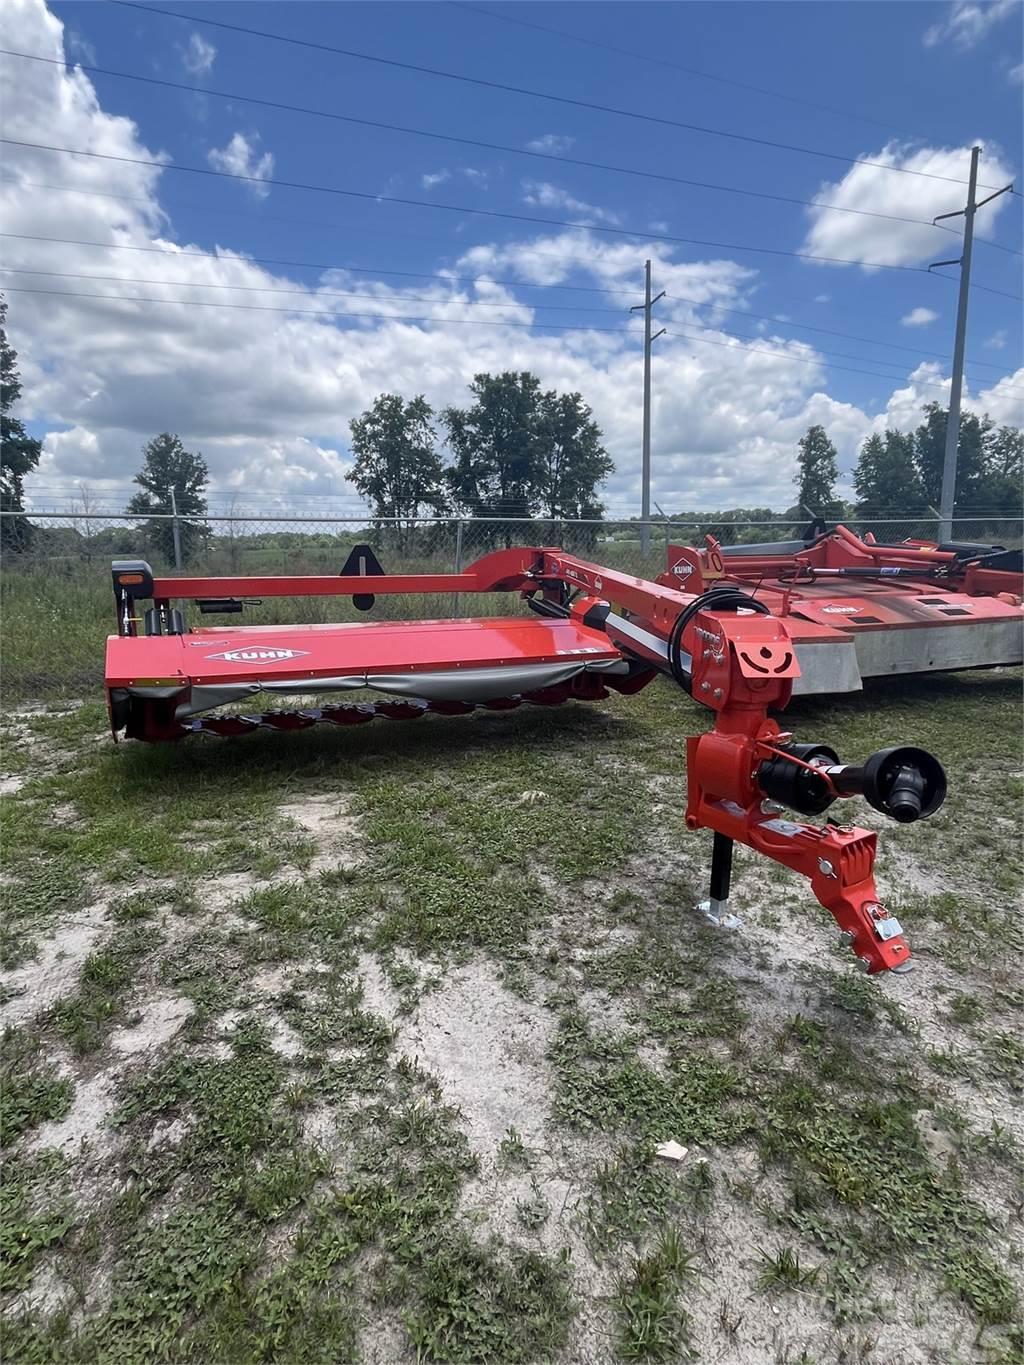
356, 1045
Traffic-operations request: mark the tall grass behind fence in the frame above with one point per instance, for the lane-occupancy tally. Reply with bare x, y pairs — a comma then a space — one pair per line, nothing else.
58, 608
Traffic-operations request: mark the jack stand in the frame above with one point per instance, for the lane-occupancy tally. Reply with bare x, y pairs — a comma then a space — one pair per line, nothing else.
716, 909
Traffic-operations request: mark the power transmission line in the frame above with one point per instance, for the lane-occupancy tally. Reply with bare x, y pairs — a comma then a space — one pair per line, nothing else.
752, 350
487, 146
531, 94
677, 66
314, 265
406, 298
828, 331
453, 279
448, 279
306, 221
316, 293
465, 209
316, 312
458, 322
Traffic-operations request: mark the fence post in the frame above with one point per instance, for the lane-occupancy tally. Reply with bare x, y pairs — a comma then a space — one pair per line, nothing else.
457, 599
176, 530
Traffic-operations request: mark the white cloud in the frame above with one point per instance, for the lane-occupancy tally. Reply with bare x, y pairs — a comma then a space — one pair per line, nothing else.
848, 236
80, 48
823, 298
554, 144
542, 194
431, 179
1000, 400
997, 341
238, 157
919, 317
968, 21
267, 396
1015, 74
197, 57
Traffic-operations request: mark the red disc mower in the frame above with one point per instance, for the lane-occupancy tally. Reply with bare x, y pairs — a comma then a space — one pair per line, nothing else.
739, 628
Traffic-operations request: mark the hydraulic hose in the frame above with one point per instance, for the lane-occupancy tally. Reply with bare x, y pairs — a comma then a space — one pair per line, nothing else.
715, 599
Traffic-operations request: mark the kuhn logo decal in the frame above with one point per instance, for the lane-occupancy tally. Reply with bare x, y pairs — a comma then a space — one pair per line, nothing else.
258, 654
841, 611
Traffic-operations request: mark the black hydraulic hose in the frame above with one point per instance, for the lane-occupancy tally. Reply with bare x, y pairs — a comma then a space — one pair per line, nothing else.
715, 599
556, 610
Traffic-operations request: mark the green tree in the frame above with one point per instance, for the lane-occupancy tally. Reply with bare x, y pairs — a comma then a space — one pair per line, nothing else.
818, 471
886, 477
1004, 469
495, 446
397, 469
571, 461
166, 465
930, 454
19, 453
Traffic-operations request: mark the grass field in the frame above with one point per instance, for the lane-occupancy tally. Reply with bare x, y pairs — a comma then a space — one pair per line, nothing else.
355, 1045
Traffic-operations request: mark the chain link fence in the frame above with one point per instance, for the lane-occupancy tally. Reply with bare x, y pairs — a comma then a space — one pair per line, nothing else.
304, 544
58, 603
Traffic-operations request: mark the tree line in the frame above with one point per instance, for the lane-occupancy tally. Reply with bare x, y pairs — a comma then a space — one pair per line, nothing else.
19, 452
901, 471
518, 451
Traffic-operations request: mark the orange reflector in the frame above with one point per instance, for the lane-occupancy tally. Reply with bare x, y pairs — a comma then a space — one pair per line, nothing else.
129, 578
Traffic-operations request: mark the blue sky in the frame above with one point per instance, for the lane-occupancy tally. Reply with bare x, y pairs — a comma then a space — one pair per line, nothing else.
910, 84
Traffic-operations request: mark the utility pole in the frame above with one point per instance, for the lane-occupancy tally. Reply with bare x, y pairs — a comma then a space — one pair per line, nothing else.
645, 497
948, 498
175, 529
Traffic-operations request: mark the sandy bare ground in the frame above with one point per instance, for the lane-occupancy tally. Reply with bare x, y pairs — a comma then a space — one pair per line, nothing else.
344, 943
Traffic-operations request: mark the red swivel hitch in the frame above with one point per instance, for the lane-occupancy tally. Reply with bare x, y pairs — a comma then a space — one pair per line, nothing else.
745, 770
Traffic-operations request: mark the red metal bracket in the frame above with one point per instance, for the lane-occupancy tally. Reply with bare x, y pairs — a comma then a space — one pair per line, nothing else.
742, 666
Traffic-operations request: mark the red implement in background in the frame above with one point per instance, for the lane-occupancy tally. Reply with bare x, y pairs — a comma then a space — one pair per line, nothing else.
857, 609
591, 628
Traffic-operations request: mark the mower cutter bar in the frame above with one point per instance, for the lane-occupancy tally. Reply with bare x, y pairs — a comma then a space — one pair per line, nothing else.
359, 713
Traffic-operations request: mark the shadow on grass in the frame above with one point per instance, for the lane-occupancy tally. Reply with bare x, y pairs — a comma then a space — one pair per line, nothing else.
380, 749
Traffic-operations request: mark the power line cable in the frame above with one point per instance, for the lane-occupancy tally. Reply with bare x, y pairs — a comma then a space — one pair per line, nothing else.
753, 350
314, 265
465, 209
456, 322
828, 331
317, 312
677, 66
492, 146
406, 298
448, 279
306, 221
313, 294
532, 94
